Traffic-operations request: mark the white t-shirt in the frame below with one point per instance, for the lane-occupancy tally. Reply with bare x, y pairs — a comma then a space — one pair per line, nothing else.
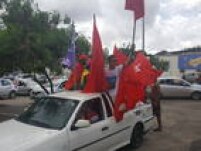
112, 77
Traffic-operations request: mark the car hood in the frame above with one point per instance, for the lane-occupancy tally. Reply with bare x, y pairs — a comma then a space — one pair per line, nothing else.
16, 136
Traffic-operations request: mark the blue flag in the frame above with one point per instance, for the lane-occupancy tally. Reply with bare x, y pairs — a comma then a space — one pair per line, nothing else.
69, 60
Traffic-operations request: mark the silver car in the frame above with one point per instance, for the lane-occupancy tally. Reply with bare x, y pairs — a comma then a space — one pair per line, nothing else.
7, 89
58, 86
177, 87
27, 87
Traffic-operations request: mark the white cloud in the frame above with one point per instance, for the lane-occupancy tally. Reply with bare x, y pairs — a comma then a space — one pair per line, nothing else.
171, 25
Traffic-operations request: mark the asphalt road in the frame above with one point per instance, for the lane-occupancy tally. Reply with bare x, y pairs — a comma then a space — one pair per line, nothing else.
11, 108
181, 124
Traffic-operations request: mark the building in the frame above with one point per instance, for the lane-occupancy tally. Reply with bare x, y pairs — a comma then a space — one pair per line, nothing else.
180, 62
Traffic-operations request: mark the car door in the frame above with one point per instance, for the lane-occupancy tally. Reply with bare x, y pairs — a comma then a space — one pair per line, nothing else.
118, 133
167, 87
89, 138
22, 88
181, 88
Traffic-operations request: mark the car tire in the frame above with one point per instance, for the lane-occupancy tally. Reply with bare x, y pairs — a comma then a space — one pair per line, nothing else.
196, 96
12, 95
137, 136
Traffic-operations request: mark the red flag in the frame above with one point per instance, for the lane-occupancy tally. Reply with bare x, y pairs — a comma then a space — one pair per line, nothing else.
96, 80
142, 71
75, 77
133, 81
121, 58
129, 93
137, 6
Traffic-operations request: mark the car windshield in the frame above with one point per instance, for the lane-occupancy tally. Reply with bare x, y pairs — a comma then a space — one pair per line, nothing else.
49, 112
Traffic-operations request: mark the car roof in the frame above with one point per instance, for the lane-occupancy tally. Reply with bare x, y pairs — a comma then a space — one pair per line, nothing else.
76, 95
169, 77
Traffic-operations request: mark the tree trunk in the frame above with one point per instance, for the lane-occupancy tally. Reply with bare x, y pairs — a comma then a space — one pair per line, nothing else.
50, 82
41, 85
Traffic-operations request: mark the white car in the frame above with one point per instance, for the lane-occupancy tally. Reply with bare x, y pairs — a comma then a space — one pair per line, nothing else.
59, 122
27, 87
7, 88
58, 86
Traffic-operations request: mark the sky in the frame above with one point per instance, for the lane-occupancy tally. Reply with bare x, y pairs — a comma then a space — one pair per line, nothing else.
169, 24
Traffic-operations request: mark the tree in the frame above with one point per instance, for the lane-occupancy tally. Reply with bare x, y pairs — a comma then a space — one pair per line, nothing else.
31, 40
159, 64
82, 45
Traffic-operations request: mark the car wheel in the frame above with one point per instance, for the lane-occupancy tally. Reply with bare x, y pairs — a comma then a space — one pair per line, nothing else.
196, 96
12, 95
137, 136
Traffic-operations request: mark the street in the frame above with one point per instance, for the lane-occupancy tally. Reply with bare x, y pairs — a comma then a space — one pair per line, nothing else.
181, 124
11, 108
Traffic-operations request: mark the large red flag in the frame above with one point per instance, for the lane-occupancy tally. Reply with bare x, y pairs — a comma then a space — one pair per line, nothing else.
133, 81
130, 92
137, 6
96, 81
142, 71
75, 77
121, 58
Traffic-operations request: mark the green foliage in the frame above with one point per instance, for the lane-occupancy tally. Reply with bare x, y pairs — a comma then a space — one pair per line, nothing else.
159, 64
31, 40
82, 45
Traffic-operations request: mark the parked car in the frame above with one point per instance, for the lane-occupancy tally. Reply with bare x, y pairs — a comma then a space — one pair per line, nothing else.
58, 86
7, 88
58, 123
177, 87
27, 87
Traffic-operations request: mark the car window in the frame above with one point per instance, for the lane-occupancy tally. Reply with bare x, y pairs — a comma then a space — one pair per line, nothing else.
52, 113
177, 82
21, 83
5, 83
91, 110
166, 82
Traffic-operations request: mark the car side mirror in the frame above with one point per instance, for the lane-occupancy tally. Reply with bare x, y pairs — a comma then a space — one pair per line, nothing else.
82, 124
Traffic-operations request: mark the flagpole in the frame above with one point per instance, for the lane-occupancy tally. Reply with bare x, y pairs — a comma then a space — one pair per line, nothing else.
143, 34
133, 38
134, 32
